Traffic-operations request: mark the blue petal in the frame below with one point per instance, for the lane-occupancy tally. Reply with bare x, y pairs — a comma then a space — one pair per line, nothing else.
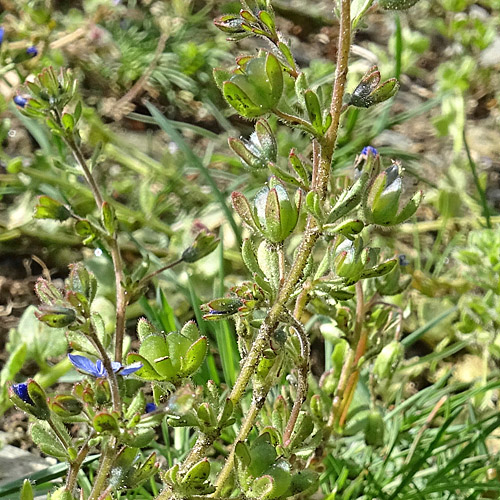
85, 365
100, 369
116, 365
32, 51
2, 32
21, 391
20, 101
127, 370
369, 149
150, 407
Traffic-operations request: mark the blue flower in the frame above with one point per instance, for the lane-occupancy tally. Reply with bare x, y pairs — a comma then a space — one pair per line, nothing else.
2, 32
150, 407
369, 149
97, 370
32, 51
403, 261
20, 101
21, 390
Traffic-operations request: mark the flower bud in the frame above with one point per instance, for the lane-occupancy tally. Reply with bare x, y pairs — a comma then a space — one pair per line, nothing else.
31, 398
232, 24
48, 208
205, 242
20, 101
260, 149
381, 205
388, 359
348, 258
370, 91
275, 213
397, 4
66, 405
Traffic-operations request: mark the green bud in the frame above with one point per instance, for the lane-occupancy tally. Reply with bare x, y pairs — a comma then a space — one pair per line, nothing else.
374, 430
82, 280
205, 242
56, 317
348, 259
259, 150
275, 213
61, 494
108, 218
397, 4
105, 422
206, 415
388, 359
381, 206
66, 405
232, 24
370, 91
48, 208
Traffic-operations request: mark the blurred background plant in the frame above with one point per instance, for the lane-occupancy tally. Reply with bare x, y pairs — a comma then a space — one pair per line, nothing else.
164, 173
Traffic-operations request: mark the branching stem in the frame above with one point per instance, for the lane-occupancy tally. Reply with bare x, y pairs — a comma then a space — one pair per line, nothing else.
311, 235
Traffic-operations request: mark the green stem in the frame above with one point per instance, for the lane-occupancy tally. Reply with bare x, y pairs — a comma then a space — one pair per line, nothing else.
121, 298
111, 375
150, 276
311, 234
302, 385
107, 460
296, 120
76, 465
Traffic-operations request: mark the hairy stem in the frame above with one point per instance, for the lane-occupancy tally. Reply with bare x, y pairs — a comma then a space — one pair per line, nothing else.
111, 375
108, 457
311, 233
121, 297
253, 412
302, 385
76, 464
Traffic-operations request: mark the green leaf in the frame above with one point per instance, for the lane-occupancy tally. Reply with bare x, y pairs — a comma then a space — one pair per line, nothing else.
147, 372
194, 357
314, 110
44, 437
27, 491
105, 422
240, 101
197, 474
